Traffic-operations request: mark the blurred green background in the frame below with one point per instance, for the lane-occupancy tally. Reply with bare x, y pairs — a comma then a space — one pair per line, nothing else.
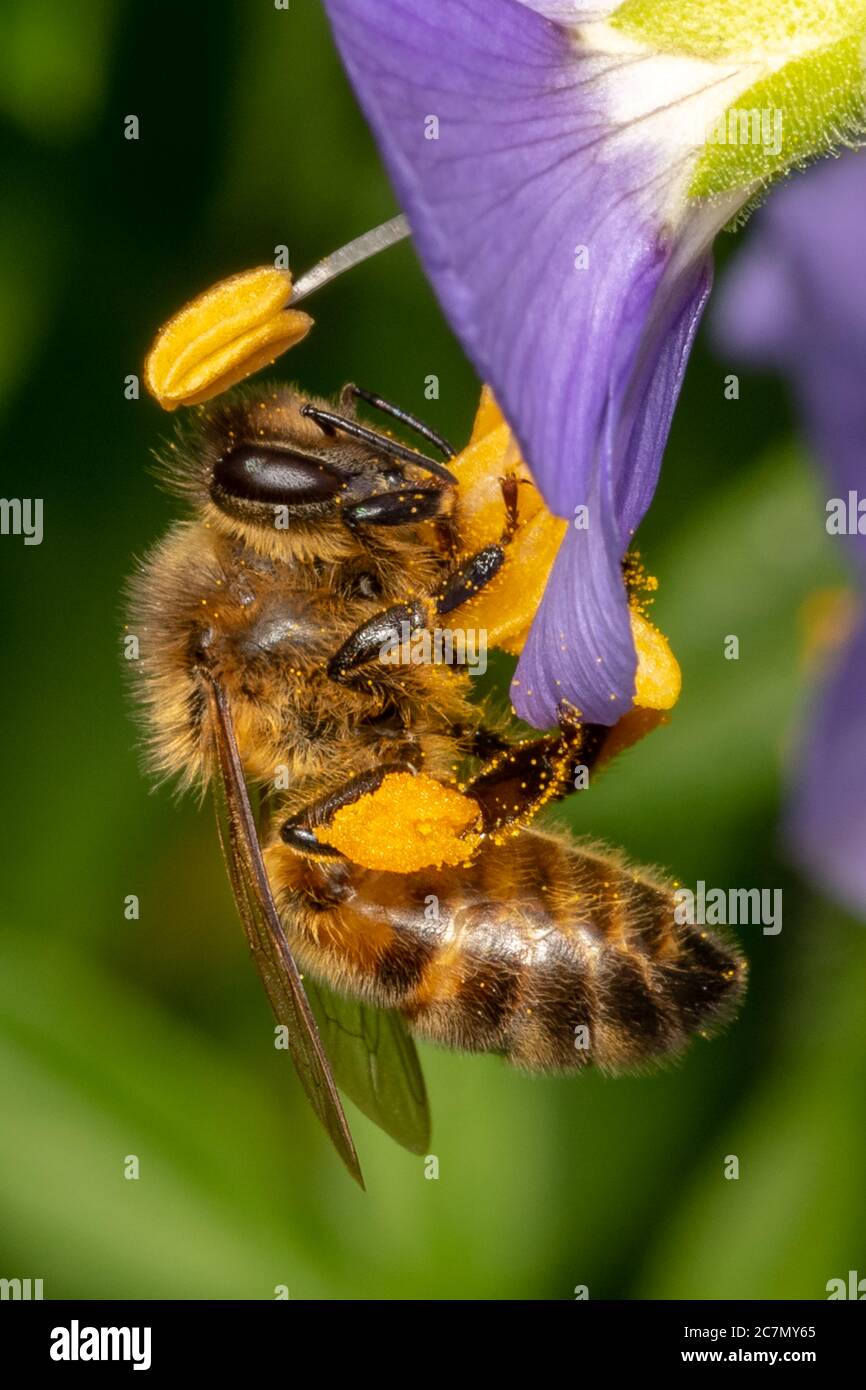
152, 1037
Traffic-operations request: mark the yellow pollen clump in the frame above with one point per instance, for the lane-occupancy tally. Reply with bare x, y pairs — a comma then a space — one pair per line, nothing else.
658, 679
222, 336
408, 823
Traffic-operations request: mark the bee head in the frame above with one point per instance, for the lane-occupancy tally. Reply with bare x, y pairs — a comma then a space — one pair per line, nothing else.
271, 462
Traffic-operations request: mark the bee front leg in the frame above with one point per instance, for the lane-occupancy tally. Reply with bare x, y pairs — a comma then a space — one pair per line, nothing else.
398, 507
477, 570
395, 625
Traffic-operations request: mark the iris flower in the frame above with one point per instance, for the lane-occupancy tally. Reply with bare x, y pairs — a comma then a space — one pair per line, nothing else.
564, 167
795, 299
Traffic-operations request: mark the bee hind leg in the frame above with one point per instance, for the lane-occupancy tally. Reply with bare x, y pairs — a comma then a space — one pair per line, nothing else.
299, 830
518, 781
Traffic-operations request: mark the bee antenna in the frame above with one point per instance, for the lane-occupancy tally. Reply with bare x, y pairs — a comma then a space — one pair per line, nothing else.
398, 413
329, 423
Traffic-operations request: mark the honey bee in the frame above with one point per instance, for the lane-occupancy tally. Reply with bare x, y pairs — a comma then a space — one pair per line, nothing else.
313, 542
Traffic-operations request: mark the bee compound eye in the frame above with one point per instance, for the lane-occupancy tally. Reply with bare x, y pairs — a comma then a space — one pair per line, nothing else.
271, 475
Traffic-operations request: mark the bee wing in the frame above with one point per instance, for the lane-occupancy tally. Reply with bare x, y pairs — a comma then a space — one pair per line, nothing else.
270, 949
376, 1063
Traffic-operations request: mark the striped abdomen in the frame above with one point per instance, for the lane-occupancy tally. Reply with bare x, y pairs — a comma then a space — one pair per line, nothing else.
554, 955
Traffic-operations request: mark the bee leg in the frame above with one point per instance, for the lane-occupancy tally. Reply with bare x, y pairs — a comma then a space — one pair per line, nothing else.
351, 393
393, 626
482, 742
477, 570
299, 830
398, 508
469, 578
514, 785
464, 582
385, 630
510, 490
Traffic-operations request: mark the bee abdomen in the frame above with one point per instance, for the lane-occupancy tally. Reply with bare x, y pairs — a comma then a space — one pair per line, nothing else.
551, 954
562, 958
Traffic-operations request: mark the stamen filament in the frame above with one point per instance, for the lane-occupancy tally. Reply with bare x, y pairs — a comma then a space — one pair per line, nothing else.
352, 254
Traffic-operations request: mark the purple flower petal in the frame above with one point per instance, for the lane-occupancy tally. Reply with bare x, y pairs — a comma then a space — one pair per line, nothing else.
826, 823
546, 237
573, 11
580, 646
795, 299
756, 314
